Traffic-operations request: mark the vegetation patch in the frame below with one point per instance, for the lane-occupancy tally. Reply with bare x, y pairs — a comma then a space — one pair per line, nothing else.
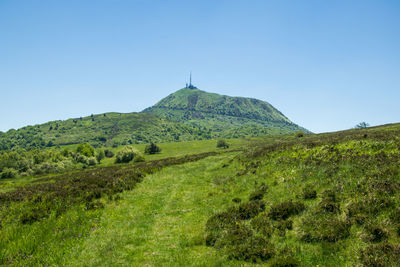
283, 210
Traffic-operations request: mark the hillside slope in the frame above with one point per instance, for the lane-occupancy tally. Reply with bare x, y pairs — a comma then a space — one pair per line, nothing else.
328, 199
227, 116
102, 129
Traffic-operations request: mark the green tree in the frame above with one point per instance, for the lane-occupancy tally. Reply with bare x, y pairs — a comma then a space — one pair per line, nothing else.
362, 125
221, 143
86, 150
100, 155
152, 149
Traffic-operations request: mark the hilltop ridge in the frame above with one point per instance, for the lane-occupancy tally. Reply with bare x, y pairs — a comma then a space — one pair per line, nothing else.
226, 115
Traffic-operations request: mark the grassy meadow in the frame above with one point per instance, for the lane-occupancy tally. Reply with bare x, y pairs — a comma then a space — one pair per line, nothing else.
329, 200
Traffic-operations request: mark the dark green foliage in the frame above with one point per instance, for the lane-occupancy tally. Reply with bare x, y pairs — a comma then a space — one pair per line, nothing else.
309, 192
221, 143
108, 153
381, 255
283, 210
152, 149
227, 231
250, 209
254, 249
299, 134
8, 173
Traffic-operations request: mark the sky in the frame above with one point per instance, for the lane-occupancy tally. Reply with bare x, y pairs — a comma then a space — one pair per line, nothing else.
327, 65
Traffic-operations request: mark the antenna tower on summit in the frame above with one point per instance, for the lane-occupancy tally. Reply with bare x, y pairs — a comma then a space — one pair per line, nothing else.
190, 86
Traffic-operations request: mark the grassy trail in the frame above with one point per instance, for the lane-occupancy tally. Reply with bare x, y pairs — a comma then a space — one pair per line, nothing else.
161, 222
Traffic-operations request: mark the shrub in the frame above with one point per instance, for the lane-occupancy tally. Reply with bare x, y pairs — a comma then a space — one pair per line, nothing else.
250, 209
253, 249
152, 149
8, 173
108, 153
86, 150
100, 155
324, 228
126, 154
309, 192
284, 210
92, 161
262, 225
221, 143
299, 134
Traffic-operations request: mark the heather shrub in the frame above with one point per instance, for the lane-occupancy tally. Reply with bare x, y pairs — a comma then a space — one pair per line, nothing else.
283, 210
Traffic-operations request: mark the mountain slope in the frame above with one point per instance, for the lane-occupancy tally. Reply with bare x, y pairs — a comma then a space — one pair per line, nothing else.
227, 116
102, 129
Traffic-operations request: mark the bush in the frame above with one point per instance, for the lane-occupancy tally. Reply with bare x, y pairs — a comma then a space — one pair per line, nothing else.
152, 149
250, 209
221, 143
100, 155
309, 193
324, 228
253, 249
299, 134
86, 150
126, 154
92, 161
8, 173
108, 153
284, 210
262, 225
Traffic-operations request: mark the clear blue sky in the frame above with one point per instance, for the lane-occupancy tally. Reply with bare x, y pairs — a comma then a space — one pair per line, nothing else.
327, 65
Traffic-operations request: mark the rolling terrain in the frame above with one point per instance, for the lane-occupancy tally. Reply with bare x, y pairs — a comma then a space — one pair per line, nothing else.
188, 114
328, 199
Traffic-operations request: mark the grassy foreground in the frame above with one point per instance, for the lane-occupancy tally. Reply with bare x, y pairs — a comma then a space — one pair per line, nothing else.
327, 200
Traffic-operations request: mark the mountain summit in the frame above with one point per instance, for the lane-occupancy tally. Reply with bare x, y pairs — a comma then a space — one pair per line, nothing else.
225, 116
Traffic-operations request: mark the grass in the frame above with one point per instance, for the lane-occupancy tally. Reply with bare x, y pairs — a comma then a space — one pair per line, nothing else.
327, 200
161, 222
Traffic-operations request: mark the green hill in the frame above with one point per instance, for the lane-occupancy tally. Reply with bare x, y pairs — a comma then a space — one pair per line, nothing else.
188, 114
103, 129
227, 116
